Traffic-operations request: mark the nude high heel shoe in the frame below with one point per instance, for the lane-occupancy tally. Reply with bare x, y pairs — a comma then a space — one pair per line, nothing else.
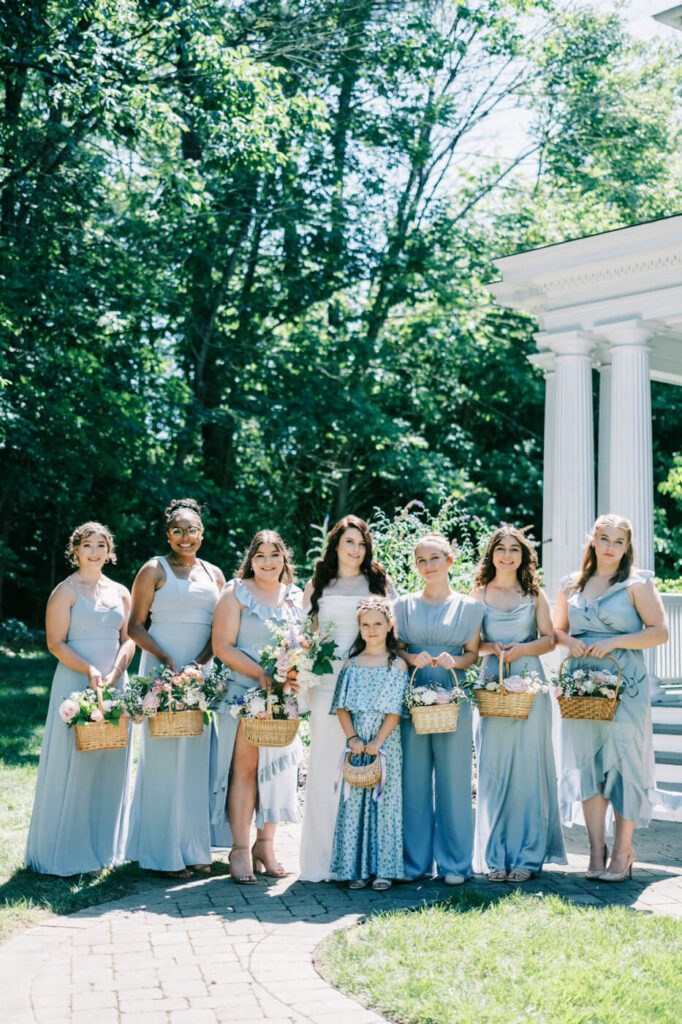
593, 875
619, 876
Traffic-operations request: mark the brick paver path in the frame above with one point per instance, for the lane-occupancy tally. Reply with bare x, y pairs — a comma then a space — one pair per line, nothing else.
208, 950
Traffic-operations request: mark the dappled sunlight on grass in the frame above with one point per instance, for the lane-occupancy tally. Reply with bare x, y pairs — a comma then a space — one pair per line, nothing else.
515, 957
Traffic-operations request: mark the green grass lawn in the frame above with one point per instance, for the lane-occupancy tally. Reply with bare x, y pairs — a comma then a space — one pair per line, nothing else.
516, 959
26, 898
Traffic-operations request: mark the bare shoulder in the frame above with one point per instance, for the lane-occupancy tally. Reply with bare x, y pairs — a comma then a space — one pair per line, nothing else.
64, 594
152, 570
476, 593
401, 665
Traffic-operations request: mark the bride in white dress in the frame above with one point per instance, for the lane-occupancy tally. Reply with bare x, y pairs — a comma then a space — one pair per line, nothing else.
345, 574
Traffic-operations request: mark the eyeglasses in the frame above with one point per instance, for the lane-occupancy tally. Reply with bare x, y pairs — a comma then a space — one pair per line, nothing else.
191, 531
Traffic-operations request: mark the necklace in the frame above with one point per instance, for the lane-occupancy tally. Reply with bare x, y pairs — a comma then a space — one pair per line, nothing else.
188, 566
346, 583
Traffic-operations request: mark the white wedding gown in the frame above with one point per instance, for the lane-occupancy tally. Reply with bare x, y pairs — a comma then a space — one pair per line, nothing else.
327, 741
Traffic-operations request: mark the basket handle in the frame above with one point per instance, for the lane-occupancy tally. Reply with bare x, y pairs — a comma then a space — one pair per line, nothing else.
610, 658
98, 691
501, 667
410, 688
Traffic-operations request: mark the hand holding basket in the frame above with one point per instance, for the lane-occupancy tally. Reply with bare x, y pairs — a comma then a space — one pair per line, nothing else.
433, 718
101, 735
590, 709
504, 703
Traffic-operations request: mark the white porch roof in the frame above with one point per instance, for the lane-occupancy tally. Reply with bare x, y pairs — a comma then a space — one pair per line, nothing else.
630, 275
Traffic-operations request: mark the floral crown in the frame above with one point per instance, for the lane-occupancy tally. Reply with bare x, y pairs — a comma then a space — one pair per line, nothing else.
380, 604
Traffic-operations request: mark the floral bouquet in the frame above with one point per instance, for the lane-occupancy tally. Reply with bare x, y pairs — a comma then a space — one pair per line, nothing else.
100, 718
271, 717
187, 693
520, 682
510, 697
433, 707
83, 707
588, 693
586, 682
319, 652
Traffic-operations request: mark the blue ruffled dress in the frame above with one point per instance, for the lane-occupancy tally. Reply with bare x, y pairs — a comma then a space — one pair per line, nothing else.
277, 766
368, 838
517, 806
614, 758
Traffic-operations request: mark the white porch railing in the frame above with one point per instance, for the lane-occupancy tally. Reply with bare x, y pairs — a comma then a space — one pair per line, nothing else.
668, 657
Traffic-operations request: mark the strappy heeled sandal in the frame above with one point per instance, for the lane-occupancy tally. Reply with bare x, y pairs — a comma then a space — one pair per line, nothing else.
278, 871
248, 877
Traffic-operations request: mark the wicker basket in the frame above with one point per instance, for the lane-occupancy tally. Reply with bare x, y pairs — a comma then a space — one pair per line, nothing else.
270, 732
503, 703
364, 776
433, 717
173, 724
590, 709
101, 735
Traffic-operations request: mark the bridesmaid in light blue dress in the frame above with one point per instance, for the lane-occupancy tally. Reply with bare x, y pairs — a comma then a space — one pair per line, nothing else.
440, 629
611, 608
517, 807
79, 814
169, 823
244, 778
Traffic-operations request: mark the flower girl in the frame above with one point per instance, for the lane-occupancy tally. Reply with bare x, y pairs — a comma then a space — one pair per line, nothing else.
369, 700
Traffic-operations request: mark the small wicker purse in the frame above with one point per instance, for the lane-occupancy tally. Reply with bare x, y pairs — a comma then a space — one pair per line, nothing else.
504, 703
433, 718
363, 776
590, 709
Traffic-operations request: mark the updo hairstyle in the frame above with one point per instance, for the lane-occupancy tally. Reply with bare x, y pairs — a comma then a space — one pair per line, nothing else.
180, 505
245, 570
82, 533
436, 540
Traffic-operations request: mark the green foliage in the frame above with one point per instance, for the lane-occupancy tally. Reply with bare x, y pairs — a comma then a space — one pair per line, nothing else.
394, 540
245, 251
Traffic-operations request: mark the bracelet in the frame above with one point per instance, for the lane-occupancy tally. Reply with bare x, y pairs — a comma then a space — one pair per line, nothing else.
353, 737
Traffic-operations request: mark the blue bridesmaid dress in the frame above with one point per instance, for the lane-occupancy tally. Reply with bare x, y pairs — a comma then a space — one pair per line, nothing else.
368, 838
169, 821
277, 766
438, 820
80, 809
517, 806
614, 758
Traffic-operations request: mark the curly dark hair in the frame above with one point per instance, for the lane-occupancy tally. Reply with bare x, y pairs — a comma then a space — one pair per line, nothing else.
180, 505
383, 605
527, 572
589, 563
245, 570
327, 567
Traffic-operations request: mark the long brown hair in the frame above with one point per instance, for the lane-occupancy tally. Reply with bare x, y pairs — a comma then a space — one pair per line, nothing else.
383, 605
589, 563
245, 570
527, 572
327, 567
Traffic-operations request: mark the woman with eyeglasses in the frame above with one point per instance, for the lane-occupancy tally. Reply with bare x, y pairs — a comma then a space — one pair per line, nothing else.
169, 825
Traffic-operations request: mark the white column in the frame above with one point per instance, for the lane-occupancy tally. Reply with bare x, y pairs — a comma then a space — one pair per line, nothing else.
604, 445
573, 491
546, 362
631, 486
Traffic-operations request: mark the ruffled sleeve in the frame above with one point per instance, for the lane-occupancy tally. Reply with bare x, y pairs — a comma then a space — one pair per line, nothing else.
567, 583
289, 610
638, 576
339, 700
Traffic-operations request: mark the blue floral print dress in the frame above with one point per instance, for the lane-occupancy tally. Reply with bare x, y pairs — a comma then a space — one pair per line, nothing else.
368, 839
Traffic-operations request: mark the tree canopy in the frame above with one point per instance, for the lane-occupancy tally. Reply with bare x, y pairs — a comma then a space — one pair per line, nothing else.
245, 249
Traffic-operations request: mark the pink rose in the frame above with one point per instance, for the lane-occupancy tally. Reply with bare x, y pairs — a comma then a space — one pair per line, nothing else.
150, 702
611, 694
515, 684
291, 709
283, 662
443, 696
558, 691
263, 714
96, 715
581, 693
67, 709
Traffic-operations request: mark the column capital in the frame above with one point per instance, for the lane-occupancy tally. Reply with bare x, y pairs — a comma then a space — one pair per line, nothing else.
567, 343
545, 361
626, 333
